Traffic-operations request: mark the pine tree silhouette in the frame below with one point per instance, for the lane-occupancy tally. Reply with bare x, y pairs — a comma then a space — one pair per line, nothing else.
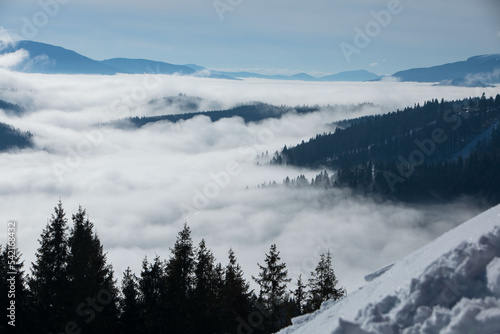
49, 281
273, 279
94, 296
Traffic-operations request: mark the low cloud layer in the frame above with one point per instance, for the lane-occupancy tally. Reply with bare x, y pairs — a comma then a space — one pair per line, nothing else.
10, 60
14, 59
140, 186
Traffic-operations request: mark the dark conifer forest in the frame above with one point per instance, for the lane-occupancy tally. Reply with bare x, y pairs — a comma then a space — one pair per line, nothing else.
11, 108
71, 287
249, 113
11, 138
439, 151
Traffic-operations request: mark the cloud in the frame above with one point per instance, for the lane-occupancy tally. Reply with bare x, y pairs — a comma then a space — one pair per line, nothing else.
391, 79
481, 79
6, 39
373, 64
38, 62
13, 59
138, 185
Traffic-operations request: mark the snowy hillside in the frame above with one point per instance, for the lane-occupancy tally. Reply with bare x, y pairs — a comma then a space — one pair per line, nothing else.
451, 285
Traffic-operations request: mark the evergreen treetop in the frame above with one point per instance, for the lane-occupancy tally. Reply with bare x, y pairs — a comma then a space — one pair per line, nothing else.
323, 282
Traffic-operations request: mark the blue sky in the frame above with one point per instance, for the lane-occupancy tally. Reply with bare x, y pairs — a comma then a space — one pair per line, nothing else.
272, 36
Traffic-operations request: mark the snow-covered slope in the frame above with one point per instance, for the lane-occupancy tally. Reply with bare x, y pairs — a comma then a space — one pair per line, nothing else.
451, 285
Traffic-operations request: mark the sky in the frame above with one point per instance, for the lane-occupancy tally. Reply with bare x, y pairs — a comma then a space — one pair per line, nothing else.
273, 37
140, 186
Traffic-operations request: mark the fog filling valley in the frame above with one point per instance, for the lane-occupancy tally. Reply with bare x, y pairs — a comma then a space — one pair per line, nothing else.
140, 185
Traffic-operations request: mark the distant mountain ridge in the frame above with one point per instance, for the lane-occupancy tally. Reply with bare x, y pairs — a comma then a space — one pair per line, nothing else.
50, 59
360, 75
140, 66
477, 71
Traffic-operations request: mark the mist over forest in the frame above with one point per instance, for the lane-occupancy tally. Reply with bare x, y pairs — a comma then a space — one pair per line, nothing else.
140, 185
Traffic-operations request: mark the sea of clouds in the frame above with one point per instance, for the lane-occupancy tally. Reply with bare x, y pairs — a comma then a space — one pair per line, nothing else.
140, 186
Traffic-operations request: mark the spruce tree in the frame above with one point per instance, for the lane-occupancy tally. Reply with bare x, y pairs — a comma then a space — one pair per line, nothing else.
273, 279
323, 283
49, 281
130, 316
180, 281
152, 297
300, 294
93, 292
219, 301
235, 295
206, 292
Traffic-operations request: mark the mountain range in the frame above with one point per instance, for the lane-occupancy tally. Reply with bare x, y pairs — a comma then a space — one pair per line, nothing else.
478, 71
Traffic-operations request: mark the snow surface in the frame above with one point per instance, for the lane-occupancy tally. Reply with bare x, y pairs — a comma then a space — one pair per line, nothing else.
451, 285
378, 273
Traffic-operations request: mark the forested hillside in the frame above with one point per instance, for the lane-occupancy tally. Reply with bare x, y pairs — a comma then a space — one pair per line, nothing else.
10, 108
438, 151
249, 112
11, 137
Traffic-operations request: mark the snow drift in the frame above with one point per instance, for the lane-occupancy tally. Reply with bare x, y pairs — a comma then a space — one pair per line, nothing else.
451, 285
